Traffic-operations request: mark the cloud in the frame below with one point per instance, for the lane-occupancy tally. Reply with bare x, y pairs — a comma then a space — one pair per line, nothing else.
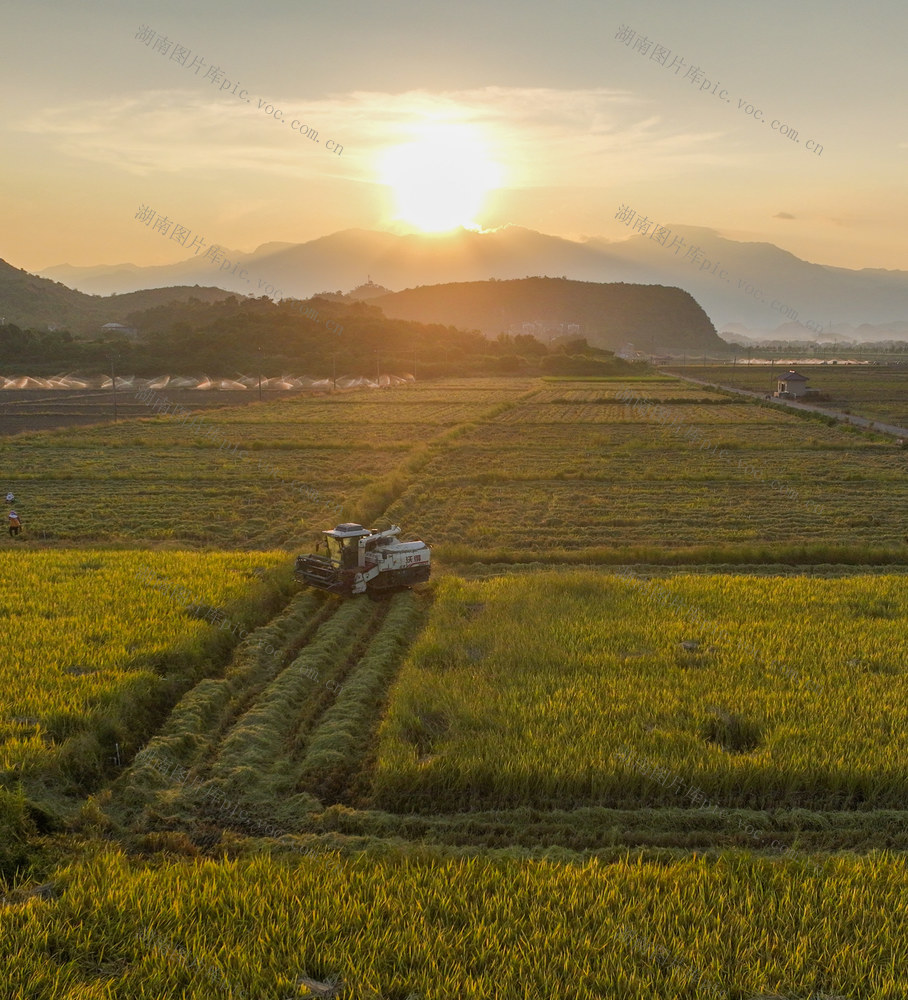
544, 137
176, 131
783, 215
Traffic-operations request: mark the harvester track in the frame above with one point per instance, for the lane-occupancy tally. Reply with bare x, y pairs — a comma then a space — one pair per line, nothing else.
248, 695
237, 752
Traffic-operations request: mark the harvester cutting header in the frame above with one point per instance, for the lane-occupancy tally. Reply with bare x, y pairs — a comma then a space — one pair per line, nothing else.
358, 559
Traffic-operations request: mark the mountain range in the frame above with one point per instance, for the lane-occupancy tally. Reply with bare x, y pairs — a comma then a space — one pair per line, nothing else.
752, 288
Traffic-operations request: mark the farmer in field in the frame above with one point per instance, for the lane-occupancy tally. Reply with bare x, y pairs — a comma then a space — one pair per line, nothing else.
15, 524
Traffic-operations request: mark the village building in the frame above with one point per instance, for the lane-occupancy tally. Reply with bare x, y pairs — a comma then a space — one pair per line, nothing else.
791, 385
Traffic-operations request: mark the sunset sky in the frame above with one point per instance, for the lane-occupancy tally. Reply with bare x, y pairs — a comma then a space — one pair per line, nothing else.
524, 113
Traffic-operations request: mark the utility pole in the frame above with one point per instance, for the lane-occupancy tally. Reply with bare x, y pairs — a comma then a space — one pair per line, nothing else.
377, 367
334, 369
260, 387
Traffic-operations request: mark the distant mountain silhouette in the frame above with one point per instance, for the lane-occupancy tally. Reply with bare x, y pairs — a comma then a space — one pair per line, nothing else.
818, 294
341, 260
766, 288
652, 318
31, 301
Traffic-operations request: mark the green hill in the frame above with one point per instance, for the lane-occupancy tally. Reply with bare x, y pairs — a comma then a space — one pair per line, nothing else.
29, 301
652, 317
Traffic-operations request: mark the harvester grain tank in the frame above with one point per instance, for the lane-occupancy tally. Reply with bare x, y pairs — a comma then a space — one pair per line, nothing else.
358, 559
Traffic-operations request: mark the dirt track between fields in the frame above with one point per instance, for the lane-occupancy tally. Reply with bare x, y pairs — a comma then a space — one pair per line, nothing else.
845, 418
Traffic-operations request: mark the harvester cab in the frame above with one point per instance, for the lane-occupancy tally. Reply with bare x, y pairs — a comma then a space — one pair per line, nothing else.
358, 559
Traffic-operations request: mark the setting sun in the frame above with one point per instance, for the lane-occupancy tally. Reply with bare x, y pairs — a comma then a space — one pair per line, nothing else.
441, 179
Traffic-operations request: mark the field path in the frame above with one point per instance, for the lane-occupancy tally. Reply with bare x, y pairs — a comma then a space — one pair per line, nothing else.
845, 418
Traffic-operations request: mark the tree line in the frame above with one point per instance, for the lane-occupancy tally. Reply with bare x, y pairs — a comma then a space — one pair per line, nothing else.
256, 335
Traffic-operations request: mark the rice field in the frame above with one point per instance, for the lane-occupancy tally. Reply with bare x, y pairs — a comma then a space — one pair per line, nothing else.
591, 473
85, 629
655, 387
565, 690
501, 471
432, 928
252, 476
510, 783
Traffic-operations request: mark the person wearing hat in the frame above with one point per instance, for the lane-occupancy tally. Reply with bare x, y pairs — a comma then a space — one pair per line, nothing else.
15, 525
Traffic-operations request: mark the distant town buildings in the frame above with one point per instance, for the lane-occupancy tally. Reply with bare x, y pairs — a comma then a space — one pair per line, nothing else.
126, 331
545, 329
628, 352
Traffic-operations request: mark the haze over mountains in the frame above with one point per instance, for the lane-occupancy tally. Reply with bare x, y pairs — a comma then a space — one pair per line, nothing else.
750, 288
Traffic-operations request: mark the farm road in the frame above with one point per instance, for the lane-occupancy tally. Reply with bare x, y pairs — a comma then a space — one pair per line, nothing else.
846, 418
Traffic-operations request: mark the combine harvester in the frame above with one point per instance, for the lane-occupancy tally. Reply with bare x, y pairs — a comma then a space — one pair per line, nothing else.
359, 559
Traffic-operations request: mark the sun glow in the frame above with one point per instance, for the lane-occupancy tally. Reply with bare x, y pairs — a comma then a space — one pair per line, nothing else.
441, 179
